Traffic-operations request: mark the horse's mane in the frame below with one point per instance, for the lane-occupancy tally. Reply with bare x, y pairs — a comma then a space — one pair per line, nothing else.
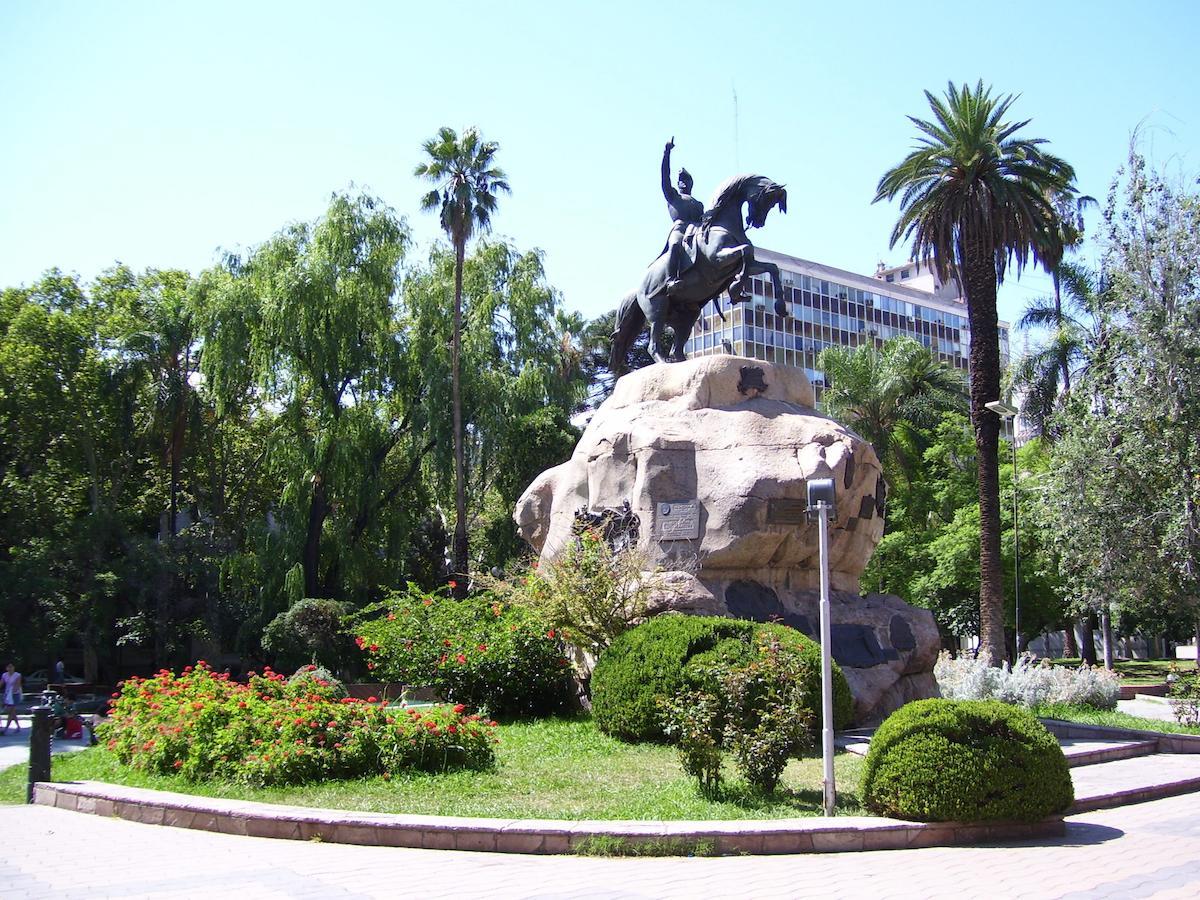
732, 191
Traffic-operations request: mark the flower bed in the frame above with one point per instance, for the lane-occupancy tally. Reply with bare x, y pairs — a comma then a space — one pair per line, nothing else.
201, 725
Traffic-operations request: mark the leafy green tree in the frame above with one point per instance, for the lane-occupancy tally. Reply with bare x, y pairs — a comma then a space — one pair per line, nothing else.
973, 197
467, 184
1127, 502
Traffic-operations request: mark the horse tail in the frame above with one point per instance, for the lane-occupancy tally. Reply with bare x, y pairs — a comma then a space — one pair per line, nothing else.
629, 324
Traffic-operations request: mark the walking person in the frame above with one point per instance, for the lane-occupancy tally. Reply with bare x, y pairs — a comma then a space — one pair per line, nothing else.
12, 695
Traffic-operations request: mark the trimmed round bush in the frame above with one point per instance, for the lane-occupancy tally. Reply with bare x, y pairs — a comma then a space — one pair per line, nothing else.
965, 761
653, 662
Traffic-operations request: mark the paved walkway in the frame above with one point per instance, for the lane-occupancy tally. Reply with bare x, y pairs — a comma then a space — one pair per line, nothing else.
1151, 850
14, 746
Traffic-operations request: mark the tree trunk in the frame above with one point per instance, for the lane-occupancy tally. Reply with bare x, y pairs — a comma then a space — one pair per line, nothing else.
318, 511
1065, 368
980, 287
1106, 638
460, 553
1070, 645
1087, 647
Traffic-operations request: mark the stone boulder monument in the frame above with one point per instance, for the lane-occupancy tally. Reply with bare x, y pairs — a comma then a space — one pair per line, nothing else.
709, 459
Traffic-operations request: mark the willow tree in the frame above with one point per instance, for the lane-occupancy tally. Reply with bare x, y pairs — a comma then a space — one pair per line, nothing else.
974, 197
467, 182
306, 328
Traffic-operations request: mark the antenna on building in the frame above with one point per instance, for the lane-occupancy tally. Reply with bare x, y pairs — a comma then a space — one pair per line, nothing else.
737, 162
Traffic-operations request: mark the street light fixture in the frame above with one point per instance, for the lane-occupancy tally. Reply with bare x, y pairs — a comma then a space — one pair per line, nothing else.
1009, 415
822, 508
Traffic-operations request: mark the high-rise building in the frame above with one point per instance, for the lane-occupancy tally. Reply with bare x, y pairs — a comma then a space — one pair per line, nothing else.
834, 308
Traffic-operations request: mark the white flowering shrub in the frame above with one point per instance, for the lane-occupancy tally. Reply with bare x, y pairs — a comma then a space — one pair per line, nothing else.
1028, 683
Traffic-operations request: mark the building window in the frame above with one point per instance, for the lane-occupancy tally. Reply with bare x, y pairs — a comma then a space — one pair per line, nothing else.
903, 274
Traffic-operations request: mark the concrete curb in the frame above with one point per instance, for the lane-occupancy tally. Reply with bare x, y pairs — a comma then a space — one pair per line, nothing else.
1167, 742
523, 835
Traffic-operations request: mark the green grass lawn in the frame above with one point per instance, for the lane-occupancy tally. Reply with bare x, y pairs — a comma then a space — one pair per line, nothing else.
551, 768
1113, 719
1139, 671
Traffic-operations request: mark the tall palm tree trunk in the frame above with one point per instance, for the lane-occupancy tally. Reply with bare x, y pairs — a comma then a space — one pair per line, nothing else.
985, 387
460, 475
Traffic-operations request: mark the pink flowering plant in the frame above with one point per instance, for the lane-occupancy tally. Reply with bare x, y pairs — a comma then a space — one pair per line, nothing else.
481, 651
202, 725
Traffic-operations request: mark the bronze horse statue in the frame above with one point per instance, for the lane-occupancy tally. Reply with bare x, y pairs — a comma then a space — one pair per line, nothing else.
722, 259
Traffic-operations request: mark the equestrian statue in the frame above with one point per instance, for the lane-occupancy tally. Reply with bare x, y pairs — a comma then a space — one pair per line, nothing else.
705, 254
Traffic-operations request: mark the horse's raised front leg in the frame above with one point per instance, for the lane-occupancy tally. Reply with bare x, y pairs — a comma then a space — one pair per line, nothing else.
766, 268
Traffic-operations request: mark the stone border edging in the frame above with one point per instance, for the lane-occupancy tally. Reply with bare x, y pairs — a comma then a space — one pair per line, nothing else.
1168, 742
543, 836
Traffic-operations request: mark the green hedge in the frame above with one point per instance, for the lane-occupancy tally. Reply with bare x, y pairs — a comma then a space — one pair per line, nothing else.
965, 761
667, 654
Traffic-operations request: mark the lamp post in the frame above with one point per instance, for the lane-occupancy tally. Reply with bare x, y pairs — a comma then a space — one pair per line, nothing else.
1009, 415
821, 496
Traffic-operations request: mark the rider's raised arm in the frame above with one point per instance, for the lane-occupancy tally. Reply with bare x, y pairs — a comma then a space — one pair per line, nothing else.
668, 189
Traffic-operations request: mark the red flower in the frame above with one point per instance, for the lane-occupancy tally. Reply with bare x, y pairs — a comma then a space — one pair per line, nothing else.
461, 659
483, 648
361, 643
370, 665
458, 707
550, 634
391, 617
374, 648
428, 601
179, 763
453, 729
372, 699
453, 584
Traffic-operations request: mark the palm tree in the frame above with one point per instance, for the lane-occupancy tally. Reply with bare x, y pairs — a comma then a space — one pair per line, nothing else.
888, 394
467, 183
973, 197
1044, 376
1068, 208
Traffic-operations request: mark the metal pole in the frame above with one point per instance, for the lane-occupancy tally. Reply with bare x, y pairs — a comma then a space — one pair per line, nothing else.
826, 663
1016, 554
40, 740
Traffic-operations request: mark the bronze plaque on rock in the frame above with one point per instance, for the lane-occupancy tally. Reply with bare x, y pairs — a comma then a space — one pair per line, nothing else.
786, 511
677, 521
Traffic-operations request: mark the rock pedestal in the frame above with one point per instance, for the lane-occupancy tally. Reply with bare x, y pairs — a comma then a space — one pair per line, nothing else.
713, 456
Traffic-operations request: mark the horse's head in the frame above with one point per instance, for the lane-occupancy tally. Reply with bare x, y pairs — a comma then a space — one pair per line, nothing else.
759, 192
762, 200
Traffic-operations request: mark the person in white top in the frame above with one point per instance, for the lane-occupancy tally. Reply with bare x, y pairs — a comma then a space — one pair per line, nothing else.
12, 695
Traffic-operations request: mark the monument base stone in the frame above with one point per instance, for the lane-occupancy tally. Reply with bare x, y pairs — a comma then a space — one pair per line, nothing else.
711, 456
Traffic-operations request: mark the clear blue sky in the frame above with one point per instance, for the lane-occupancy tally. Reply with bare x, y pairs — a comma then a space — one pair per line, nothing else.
155, 133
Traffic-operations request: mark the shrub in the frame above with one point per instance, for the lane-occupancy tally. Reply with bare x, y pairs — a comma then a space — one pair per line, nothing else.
274, 732
318, 677
1184, 694
479, 651
669, 654
309, 631
1028, 683
694, 720
590, 590
769, 706
965, 760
